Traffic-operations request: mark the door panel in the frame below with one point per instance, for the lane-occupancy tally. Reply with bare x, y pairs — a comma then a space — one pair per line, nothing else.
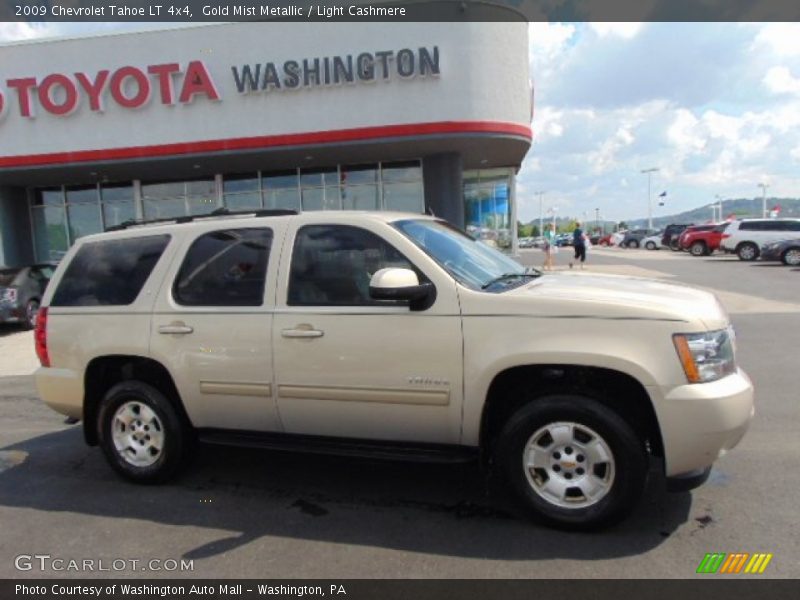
347, 366
212, 327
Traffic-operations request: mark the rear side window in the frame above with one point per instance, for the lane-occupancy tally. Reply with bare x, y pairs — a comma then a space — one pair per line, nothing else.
754, 226
793, 225
225, 268
109, 273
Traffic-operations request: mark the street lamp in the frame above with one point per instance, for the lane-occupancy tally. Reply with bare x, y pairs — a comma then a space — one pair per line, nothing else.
763, 187
719, 205
649, 173
597, 219
541, 212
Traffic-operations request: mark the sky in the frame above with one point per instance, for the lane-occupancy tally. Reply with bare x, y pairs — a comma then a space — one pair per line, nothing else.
714, 106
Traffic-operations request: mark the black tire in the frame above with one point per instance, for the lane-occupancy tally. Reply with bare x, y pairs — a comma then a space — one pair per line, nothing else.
675, 246
630, 463
651, 246
177, 435
791, 257
698, 249
747, 251
31, 312
633, 244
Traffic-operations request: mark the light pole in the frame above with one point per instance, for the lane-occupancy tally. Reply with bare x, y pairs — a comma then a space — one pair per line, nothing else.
649, 173
597, 220
763, 187
541, 211
719, 205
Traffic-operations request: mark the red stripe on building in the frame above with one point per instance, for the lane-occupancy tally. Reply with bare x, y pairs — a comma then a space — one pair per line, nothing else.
269, 141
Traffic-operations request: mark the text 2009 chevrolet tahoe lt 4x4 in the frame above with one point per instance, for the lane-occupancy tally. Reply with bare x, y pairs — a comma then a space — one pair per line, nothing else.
390, 333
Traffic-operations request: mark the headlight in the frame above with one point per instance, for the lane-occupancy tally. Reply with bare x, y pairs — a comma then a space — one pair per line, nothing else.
706, 356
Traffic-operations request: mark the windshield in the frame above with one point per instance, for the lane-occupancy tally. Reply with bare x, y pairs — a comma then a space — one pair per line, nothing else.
470, 262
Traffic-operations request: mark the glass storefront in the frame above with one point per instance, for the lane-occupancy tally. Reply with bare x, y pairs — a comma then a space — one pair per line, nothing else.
62, 214
487, 199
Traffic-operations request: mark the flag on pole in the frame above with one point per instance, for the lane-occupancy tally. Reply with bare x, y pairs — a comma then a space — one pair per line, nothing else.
775, 211
662, 195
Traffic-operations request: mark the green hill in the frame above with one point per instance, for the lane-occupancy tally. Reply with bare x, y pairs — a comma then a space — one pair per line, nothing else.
741, 207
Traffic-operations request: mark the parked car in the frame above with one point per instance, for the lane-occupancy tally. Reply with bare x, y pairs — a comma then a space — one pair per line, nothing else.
564, 239
786, 251
606, 240
653, 242
702, 240
391, 335
21, 291
633, 239
671, 234
525, 242
746, 237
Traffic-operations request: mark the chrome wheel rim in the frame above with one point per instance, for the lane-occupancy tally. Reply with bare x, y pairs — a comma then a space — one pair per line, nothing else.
792, 257
697, 249
138, 434
569, 465
747, 252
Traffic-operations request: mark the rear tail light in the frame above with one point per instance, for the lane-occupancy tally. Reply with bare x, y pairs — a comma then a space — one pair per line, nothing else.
40, 337
725, 236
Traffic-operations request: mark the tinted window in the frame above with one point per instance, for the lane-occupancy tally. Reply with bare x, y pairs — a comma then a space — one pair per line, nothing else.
225, 268
753, 225
332, 265
109, 273
793, 225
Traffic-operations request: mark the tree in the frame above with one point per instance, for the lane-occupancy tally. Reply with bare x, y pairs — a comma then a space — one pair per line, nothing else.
623, 225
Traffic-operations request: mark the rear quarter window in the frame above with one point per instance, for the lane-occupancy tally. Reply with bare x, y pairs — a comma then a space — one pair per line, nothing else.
109, 272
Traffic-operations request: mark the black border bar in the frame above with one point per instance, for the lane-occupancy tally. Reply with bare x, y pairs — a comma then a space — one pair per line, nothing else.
199, 11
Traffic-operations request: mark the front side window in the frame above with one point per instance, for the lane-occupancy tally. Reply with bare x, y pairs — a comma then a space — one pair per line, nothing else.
225, 268
109, 272
472, 263
332, 265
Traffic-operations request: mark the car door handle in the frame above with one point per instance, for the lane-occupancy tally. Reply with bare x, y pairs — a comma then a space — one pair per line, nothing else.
302, 331
176, 327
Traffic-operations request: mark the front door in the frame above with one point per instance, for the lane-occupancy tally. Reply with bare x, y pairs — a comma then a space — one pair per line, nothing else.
348, 366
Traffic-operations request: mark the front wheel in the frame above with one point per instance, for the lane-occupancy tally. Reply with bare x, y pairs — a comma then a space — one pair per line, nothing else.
650, 245
141, 433
791, 257
633, 244
573, 462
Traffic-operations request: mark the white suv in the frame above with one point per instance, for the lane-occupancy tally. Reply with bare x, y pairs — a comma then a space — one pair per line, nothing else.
746, 237
390, 335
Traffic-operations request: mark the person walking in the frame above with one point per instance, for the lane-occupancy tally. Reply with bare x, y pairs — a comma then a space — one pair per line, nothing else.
579, 243
549, 247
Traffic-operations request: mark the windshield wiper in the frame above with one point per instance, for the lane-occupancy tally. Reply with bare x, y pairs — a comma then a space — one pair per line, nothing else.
533, 273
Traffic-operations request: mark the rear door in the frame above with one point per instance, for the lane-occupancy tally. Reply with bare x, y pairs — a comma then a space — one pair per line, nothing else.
212, 324
348, 366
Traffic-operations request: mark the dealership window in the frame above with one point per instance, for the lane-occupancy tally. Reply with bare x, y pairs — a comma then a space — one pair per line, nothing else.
242, 192
487, 199
319, 189
118, 204
168, 199
281, 189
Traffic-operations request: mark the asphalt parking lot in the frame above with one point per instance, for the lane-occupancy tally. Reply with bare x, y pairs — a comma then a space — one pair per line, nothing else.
245, 513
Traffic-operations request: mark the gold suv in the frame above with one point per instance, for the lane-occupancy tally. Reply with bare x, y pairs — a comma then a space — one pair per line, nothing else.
392, 335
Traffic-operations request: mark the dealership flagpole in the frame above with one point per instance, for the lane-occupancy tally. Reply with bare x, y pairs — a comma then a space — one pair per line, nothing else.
649, 173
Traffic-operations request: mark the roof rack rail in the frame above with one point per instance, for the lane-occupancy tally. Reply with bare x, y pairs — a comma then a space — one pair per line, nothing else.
220, 212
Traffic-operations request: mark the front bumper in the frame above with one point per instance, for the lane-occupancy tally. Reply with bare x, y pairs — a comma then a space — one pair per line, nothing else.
770, 254
701, 422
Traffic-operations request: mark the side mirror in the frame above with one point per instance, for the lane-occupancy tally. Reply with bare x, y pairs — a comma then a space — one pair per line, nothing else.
401, 284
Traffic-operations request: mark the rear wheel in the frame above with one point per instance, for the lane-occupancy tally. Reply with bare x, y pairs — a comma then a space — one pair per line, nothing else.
633, 244
698, 249
791, 257
141, 433
650, 245
747, 251
572, 462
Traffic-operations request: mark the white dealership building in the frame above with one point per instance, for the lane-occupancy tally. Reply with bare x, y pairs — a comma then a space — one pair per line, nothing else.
419, 117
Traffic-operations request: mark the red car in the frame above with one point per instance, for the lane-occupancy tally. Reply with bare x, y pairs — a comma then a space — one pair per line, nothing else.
702, 240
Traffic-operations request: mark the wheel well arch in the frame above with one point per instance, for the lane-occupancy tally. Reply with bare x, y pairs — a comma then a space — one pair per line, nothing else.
616, 390
104, 372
